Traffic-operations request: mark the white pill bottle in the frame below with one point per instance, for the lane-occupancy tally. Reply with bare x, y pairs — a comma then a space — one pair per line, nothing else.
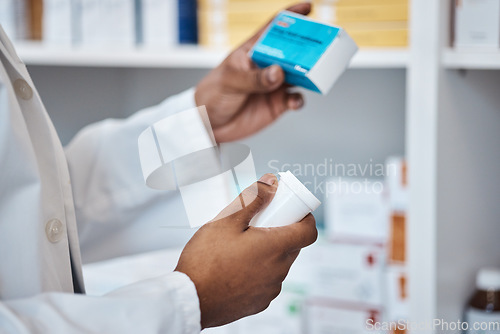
291, 203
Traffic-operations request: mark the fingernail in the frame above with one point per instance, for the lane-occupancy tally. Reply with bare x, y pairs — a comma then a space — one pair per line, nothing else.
296, 102
273, 74
268, 179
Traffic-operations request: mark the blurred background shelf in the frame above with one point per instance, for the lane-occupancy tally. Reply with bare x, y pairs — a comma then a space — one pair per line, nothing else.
36, 53
454, 59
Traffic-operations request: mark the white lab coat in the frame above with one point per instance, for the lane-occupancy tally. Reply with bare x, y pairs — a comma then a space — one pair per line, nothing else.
41, 200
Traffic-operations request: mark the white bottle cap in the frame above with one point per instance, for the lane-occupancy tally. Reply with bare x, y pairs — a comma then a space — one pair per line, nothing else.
300, 190
488, 278
291, 203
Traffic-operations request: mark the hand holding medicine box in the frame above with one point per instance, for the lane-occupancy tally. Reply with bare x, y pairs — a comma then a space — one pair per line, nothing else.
313, 55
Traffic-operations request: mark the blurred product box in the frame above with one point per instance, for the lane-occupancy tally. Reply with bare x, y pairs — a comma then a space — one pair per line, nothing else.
58, 22
7, 17
397, 238
397, 183
379, 34
221, 28
224, 23
91, 25
14, 19
356, 209
324, 317
119, 28
35, 11
160, 24
342, 272
477, 24
371, 23
397, 300
341, 3
344, 14
108, 22
187, 21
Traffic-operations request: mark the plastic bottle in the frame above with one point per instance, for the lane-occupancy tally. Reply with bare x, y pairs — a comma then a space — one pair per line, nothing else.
483, 309
292, 202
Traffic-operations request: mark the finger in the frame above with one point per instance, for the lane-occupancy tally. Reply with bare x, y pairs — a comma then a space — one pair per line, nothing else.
280, 101
251, 200
294, 101
255, 80
303, 8
296, 236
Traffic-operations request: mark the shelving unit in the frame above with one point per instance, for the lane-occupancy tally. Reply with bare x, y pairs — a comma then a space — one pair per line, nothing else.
451, 131
453, 136
489, 60
33, 53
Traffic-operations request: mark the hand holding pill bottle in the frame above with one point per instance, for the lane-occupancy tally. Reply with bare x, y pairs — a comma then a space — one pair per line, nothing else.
238, 270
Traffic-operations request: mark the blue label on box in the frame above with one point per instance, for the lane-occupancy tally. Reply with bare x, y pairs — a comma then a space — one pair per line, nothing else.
294, 43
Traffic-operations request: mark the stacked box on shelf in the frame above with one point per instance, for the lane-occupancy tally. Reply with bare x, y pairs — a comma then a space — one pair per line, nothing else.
352, 277
476, 25
14, 19
158, 22
59, 26
366, 215
103, 23
224, 23
188, 23
397, 271
371, 23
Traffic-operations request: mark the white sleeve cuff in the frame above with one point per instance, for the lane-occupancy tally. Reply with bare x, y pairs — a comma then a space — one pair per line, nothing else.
177, 291
187, 298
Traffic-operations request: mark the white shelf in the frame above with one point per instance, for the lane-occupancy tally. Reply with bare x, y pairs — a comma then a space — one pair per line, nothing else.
178, 57
33, 53
484, 60
381, 58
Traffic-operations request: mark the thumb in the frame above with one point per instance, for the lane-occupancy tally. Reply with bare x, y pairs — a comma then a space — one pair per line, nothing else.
257, 80
251, 200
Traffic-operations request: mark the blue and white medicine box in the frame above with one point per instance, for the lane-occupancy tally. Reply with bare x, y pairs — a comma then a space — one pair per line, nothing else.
312, 54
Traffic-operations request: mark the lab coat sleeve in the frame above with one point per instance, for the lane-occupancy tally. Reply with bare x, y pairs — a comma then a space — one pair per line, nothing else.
117, 213
167, 304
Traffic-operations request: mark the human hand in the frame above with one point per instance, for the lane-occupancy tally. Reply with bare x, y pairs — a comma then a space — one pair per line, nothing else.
241, 98
238, 269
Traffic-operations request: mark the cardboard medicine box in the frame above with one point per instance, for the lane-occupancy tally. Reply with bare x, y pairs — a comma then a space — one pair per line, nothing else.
312, 54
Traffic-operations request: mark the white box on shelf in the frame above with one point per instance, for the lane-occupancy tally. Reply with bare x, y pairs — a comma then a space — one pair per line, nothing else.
108, 23
397, 183
57, 22
332, 318
477, 24
345, 273
7, 17
355, 209
119, 18
397, 301
159, 23
12, 19
91, 29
